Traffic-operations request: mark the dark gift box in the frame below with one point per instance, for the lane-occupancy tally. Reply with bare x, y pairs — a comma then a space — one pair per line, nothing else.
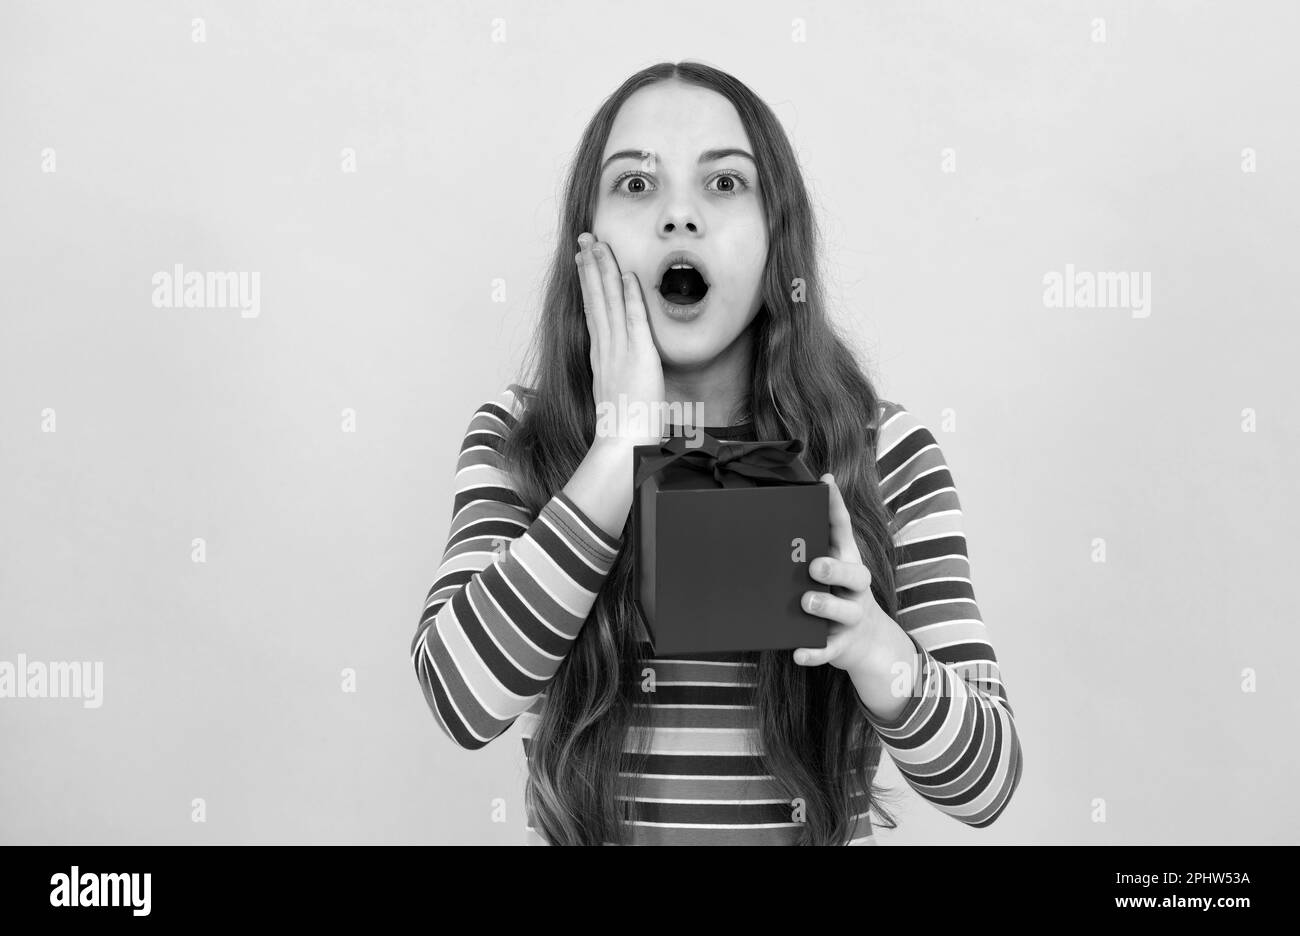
714, 554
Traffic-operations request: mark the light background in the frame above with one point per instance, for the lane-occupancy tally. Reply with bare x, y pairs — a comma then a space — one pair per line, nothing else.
222, 680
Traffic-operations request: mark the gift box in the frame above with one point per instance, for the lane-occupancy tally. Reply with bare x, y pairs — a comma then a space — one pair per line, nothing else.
722, 537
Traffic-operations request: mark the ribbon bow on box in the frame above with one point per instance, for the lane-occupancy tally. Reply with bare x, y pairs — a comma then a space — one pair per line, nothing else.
715, 572
731, 464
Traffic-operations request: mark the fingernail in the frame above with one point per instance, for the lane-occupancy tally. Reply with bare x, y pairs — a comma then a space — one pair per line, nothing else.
599, 250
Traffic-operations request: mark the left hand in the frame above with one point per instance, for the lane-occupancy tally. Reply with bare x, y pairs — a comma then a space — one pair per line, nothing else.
857, 623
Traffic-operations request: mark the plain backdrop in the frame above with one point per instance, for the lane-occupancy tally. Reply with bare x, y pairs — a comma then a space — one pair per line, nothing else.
1153, 691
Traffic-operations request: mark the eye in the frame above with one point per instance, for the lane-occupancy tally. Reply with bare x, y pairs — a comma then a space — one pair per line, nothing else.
735, 179
634, 178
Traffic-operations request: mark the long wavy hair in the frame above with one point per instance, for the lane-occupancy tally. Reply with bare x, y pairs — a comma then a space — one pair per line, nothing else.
806, 384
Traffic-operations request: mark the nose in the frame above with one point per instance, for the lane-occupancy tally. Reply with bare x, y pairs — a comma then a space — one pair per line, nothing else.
680, 213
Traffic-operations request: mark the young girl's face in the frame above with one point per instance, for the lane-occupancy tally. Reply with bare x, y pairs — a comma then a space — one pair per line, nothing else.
674, 189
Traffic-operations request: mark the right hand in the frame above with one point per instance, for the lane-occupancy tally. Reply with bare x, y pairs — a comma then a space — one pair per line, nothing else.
627, 374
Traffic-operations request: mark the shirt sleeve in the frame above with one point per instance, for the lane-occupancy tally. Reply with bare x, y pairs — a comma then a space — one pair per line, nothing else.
955, 742
511, 593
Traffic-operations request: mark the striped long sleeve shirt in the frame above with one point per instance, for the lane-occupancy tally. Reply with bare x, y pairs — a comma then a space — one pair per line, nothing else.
512, 592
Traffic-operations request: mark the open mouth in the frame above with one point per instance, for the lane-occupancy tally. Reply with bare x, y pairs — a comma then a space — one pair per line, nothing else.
683, 285
682, 279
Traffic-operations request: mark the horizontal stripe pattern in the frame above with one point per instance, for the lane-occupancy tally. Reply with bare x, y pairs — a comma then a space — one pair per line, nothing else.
510, 597
955, 742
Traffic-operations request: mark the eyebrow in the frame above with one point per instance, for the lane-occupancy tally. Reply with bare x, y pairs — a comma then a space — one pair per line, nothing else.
707, 156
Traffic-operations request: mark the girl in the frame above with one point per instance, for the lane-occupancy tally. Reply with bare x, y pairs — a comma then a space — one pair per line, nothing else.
531, 615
